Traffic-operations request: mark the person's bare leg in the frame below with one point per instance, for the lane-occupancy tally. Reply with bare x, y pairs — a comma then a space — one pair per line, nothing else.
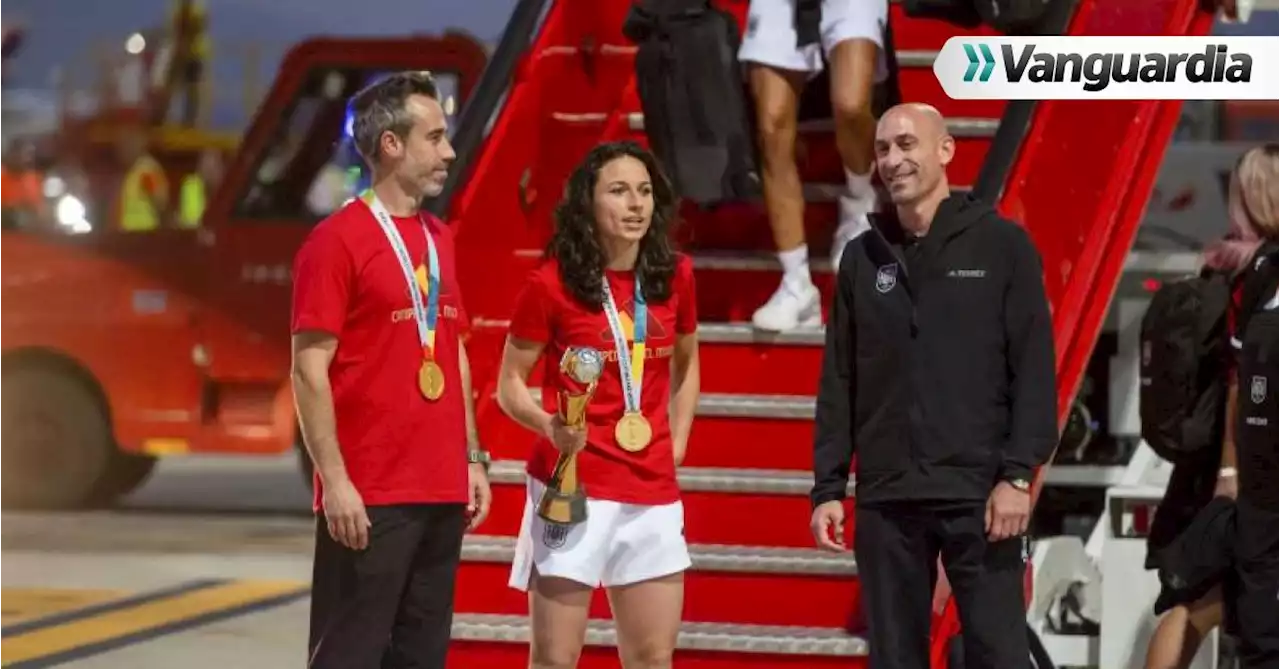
558, 610
853, 65
777, 100
648, 619
1181, 631
777, 95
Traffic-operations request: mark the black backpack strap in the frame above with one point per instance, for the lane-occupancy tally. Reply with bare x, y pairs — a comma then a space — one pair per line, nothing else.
808, 22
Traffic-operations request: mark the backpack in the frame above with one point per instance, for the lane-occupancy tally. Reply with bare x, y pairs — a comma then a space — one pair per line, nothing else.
1183, 366
1010, 17
693, 97
1184, 356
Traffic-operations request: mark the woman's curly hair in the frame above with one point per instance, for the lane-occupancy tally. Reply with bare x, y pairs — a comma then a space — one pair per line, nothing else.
575, 244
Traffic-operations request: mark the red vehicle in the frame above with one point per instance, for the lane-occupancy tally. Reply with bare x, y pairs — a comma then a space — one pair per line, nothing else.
123, 347
144, 346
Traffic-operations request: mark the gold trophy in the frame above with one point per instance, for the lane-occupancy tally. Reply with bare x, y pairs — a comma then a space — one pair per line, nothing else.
565, 502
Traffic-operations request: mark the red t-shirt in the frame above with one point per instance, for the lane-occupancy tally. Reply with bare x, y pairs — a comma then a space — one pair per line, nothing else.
399, 448
547, 313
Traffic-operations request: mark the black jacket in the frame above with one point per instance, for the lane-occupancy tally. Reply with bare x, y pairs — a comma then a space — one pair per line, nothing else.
939, 364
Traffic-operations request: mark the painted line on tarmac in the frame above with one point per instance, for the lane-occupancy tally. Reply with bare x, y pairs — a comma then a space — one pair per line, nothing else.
64, 617
200, 605
23, 605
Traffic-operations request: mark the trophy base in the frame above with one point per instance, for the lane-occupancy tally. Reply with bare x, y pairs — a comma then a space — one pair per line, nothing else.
563, 508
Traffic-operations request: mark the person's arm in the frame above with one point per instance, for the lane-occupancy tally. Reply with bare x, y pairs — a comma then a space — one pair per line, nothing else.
833, 445
323, 274
478, 474
686, 384
468, 401
530, 331
1228, 479
686, 372
1031, 365
313, 351
518, 358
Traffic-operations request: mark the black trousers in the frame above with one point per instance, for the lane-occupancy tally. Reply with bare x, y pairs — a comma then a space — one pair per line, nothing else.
389, 606
1256, 584
898, 546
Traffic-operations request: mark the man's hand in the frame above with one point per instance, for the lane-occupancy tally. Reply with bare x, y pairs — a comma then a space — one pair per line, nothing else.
345, 514
480, 496
827, 525
1008, 510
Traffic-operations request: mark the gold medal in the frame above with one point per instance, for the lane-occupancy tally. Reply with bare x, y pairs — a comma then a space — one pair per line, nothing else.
431, 380
633, 432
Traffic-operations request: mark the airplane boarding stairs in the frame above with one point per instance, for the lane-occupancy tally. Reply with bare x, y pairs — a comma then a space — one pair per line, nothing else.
1077, 174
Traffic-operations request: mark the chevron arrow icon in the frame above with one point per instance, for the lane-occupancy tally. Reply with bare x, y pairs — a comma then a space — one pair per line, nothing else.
988, 62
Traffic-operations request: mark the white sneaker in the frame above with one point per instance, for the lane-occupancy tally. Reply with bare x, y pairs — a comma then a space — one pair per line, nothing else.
853, 222
790, 307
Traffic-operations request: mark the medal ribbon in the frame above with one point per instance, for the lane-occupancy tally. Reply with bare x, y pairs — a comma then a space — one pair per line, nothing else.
424, 316
630, 366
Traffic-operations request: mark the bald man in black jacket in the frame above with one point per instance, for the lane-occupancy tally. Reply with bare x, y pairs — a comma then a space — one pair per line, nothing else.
939, 375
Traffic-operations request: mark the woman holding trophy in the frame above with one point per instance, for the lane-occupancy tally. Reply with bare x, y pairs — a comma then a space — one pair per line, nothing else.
612, 312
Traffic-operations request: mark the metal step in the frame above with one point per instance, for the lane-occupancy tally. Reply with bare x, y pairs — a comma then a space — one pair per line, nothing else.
706, 557
752, 261
783, 640
1173, 264
786, 407
916, 57
794, 482
961, 127
745, 333
817, 193
699, 479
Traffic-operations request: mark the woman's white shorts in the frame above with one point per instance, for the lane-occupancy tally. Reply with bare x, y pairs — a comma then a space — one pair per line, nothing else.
618, 544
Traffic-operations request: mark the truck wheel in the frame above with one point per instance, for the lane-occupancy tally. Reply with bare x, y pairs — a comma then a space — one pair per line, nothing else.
125, 473
58, 444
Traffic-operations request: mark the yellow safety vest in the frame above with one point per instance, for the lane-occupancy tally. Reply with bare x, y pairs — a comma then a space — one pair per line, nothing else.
192, 201
137, 213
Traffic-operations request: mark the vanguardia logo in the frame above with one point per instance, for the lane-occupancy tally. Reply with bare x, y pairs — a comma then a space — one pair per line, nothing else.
1097, 70
988, 62
1134, 68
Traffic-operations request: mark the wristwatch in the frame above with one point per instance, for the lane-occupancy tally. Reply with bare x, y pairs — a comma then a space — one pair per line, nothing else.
478, 455
1020, 484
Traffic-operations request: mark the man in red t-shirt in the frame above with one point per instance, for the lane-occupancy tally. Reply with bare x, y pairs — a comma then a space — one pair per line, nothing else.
383, 390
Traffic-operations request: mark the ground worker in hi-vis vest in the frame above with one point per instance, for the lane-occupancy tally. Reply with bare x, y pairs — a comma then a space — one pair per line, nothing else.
193, 195
144, 195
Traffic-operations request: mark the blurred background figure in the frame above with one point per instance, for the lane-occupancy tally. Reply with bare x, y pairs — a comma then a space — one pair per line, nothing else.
190, 48
10, 41
22, 187
144, 192
196, 186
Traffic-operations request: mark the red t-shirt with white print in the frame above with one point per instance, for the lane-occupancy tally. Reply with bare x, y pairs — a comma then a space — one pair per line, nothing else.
399, 448
547, 313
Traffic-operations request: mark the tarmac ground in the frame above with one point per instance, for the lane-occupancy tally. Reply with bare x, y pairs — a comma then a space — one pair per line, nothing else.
206, 566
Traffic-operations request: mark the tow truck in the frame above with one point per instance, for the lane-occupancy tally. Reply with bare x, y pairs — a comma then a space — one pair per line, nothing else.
121, 346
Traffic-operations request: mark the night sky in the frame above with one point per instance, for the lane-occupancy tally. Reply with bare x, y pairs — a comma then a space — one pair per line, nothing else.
59, 32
